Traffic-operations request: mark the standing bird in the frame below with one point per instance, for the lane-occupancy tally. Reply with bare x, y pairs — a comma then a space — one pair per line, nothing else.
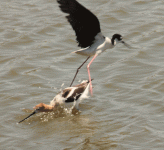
88, 33
72, 94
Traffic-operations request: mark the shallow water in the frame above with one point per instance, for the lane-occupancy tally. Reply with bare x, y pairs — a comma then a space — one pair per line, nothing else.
126, 110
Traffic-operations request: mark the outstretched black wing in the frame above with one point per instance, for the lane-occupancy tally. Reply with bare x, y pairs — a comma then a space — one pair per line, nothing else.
84, 22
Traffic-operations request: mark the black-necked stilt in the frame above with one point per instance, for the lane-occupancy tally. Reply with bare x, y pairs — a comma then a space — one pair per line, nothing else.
68, 95
88, 32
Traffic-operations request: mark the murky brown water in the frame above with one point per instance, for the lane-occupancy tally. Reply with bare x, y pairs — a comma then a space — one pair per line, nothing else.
127, 108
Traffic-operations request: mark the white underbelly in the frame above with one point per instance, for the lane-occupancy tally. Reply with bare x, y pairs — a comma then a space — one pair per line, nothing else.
98, 47
86, 52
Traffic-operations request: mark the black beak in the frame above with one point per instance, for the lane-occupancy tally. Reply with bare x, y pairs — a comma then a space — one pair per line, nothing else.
28, 116
127, 45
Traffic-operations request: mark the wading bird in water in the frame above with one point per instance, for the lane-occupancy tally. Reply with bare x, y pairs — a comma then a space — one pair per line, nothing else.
87, 28
72, 94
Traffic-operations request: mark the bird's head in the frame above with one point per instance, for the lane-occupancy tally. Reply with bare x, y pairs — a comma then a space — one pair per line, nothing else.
39, 108
117, 38
43, 108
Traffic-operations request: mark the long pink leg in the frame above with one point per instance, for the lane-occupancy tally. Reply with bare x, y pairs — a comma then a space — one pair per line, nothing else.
89, 73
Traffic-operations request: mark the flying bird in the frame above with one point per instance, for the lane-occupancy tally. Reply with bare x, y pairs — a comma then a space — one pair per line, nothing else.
88, 33
72, 94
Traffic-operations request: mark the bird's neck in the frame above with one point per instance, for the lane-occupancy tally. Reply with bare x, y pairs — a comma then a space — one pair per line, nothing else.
113, 42
48, 108
109, 43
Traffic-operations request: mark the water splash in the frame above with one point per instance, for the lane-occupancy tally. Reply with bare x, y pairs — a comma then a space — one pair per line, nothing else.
66, 109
